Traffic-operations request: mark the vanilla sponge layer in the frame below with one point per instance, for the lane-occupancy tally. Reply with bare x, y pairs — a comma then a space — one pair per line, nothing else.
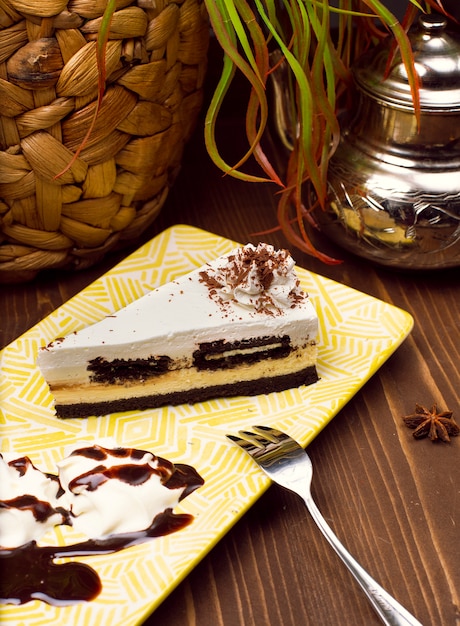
299, 363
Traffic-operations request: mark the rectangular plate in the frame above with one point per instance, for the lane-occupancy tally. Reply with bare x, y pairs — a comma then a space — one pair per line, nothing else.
357, 334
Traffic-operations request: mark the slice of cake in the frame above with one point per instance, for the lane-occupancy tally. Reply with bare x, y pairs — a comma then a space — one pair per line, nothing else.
240, 325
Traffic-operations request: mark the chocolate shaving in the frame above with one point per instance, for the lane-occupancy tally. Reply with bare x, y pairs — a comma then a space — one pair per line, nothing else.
265, 262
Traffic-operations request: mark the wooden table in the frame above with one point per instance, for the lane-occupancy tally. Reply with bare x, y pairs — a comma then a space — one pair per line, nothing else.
394, 501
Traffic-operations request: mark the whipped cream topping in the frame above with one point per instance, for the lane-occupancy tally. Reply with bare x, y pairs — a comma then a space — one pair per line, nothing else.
99, 491
29, 504
260, 278
116, 491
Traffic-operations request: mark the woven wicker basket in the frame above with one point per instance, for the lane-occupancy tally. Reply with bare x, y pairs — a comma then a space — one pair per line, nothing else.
156, 61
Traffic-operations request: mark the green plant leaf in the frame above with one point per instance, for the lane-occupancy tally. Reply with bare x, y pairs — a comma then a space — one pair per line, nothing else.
404, 46
319, 70
232, 61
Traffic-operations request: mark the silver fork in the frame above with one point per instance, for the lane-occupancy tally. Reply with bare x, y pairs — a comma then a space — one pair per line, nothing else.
288, 465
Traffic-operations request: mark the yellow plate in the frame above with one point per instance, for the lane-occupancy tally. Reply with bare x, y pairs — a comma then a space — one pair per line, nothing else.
357, 334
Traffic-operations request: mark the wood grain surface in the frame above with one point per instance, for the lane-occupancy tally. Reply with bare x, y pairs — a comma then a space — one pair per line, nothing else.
393, 501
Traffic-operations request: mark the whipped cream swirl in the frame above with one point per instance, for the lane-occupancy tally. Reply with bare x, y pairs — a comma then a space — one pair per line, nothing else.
116, 491
29, 505
259, 277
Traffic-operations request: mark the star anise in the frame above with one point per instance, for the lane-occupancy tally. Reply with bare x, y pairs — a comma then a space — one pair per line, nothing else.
430, 423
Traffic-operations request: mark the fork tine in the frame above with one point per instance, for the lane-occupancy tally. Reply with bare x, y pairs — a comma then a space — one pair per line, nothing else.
257, 438
255, 444
248, 445
261, 437
273, 434
264, 441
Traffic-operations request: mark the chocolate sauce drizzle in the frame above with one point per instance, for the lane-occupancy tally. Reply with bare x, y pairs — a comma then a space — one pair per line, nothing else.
29, 572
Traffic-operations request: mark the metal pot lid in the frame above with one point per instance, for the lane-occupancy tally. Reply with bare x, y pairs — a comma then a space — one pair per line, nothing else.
436, 49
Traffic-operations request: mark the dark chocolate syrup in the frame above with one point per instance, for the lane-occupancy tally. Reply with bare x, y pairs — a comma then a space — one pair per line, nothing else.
30, 573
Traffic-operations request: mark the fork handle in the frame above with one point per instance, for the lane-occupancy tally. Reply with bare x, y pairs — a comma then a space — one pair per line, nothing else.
387, 608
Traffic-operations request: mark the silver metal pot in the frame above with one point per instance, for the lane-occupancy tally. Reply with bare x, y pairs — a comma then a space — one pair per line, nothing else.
394, 186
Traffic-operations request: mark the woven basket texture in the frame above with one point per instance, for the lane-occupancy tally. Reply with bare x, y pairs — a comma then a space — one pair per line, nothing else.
155, 67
